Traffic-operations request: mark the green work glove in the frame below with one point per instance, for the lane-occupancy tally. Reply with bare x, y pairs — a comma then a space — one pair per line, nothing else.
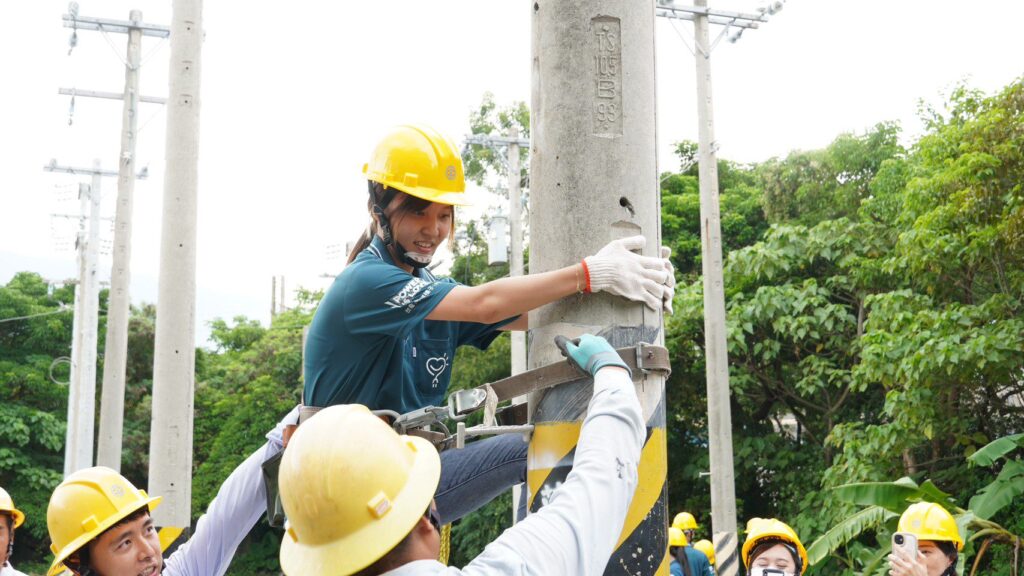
591, 353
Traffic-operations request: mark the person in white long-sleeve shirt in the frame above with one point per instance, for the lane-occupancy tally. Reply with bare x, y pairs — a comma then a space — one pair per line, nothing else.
359, 497
10, 519
100, 523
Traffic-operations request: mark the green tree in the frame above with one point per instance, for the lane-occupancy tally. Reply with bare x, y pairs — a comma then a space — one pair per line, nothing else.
811, 186
35, 330
483, 164
245, 385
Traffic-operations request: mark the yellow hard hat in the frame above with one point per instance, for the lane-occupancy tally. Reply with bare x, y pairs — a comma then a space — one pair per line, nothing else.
676, 537
929, 521
418, 160
7, 505
760, 529
685, 521
84, 505
352, 489
707, 548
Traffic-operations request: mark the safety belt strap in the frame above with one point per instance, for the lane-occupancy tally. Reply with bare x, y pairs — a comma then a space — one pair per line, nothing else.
641, 359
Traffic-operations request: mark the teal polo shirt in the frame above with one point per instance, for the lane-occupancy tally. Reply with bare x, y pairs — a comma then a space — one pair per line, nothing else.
370, 342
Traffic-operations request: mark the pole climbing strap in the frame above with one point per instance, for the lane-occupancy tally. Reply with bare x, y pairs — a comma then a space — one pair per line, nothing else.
641, 359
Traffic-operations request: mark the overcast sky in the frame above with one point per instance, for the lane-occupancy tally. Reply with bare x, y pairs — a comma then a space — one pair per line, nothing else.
294, 95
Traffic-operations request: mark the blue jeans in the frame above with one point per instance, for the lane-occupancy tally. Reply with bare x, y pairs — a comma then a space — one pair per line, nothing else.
473, 476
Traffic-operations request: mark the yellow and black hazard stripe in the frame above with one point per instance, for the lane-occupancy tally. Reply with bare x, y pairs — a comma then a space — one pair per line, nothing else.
643, 543
726, 556
171, 536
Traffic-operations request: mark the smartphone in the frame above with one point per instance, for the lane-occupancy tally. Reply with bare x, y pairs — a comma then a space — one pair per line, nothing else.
906, 541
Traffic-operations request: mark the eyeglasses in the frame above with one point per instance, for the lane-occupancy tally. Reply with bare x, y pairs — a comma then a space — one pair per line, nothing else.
435, 518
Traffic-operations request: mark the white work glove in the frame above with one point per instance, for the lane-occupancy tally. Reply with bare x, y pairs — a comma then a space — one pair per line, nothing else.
617, 270
670, 286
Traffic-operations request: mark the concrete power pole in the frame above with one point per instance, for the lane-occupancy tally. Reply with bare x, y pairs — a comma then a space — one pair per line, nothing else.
280, 304
273, 297
515, 218
593, 180
71, 462
82, 396
723, 483
170, 454
82, 392
511, 143
116, 348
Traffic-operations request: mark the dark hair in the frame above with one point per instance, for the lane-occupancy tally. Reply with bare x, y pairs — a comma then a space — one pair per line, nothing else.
382, 195
79, 561
764, 544
949, 549
396, 556
679, 553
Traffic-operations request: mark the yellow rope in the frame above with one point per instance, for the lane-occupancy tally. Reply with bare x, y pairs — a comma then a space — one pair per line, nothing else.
446, 544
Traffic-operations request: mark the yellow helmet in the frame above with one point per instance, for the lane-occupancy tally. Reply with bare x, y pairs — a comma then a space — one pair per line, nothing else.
418, 160
352, 489
676, 537
707, 548
84, 505
685, 521
760, 529
7, 505
929, 521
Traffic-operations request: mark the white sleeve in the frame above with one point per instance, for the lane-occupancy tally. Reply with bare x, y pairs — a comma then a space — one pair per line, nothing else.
8, 570
239, 503
577, 531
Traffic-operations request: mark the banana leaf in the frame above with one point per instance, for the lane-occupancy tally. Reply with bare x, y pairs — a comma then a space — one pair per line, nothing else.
892, 496
1003, 490
996, 449
847, 530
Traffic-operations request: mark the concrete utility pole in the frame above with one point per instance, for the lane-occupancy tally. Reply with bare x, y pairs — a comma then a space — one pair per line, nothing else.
71, 460
280, 304
116, 350
116, 347
511, 143
273, 297
170, 453
593, 180
516, 268
723, 483
82, 396
82, 392
515, 218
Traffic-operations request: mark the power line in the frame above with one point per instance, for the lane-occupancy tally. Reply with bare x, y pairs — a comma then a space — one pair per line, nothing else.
64, 309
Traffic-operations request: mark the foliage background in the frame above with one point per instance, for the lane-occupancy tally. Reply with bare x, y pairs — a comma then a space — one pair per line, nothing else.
875, 295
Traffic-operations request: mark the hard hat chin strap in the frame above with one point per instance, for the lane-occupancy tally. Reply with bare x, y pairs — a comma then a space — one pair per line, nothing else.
407, 257
414, 259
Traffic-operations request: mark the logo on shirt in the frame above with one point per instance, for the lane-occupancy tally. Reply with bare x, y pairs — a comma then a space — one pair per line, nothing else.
413, 292
436, 366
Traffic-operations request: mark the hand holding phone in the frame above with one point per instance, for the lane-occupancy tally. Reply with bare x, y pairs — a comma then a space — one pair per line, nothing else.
906, 542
